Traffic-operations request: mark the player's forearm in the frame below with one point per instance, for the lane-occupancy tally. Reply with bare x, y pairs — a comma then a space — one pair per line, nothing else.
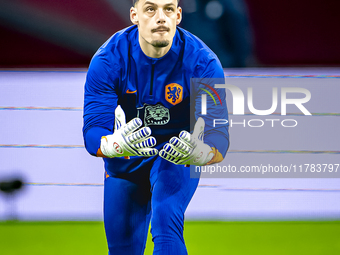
220, 142
92, 139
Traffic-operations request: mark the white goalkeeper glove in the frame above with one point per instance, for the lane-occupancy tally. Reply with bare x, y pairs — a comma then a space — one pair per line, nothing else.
126, 141
188, 149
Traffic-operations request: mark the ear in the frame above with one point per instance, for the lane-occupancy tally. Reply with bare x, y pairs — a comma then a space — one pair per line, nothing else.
133, 15
179, 15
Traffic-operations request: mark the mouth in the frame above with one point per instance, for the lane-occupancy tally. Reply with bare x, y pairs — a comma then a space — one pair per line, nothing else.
160, 30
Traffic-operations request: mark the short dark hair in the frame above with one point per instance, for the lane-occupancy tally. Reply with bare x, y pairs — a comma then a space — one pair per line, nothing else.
136, 1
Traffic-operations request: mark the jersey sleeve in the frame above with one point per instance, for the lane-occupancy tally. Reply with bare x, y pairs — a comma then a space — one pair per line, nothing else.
100, 101
215, 135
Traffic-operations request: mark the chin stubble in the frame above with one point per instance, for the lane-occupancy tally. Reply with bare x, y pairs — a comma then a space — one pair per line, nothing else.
159, 43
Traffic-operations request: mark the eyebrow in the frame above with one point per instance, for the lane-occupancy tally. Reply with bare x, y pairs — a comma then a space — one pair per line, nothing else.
168, 4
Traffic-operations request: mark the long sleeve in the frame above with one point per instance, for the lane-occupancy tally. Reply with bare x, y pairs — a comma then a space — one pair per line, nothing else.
100, 101
218, 136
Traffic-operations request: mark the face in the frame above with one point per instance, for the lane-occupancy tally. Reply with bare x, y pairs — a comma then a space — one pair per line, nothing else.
156, 20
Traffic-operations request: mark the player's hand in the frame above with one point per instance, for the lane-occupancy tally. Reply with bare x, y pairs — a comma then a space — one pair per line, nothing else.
127, 140
188, 149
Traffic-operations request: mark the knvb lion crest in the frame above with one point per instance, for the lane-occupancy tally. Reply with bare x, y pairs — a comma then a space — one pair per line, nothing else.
173, 93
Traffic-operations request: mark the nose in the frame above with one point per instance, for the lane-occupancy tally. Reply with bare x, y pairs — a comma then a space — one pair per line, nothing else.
160, 17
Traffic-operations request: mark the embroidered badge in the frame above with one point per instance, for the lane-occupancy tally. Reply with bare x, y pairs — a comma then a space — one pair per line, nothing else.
173, 93
156, 115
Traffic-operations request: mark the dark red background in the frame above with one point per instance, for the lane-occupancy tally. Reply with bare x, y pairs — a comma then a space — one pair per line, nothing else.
286, 33
300, 32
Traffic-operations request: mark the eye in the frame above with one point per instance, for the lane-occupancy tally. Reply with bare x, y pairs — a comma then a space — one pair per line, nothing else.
150, 9
169, 9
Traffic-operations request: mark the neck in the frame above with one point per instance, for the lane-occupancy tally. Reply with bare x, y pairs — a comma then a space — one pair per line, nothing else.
151, 51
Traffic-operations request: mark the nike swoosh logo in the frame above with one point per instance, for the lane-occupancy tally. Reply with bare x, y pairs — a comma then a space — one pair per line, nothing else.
131, 92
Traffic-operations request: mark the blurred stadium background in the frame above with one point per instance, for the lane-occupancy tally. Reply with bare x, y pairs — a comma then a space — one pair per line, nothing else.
46, 47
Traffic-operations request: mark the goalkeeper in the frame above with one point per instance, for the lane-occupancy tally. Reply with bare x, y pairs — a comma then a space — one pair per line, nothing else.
137, 117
